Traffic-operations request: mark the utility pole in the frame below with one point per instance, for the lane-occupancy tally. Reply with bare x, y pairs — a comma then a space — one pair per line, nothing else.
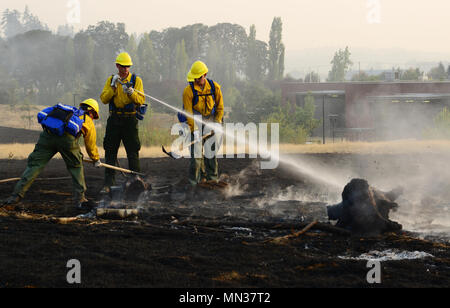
359, 71
74, 101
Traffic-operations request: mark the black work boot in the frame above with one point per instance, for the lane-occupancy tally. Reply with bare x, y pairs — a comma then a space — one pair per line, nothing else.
12, 200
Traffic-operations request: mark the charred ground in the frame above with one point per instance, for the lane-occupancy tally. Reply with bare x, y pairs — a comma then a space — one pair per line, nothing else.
186, 243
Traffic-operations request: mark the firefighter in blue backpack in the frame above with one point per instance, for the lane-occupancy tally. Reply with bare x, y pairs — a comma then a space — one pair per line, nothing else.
125, 109
62, 127
203, 98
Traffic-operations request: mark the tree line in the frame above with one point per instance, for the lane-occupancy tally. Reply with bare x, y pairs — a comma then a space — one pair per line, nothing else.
41, 66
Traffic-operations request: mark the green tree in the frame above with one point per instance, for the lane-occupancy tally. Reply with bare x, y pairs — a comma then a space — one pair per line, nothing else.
252, 57
232, 94
276, 50
181, 61
296, 123
66, 30
363, 76
340, 65
132, 48
254, 103
438, 72
441, 127
68, 71
312, 77
84, 54
11, 24
148, 62
411, 74
109, 40
31, 22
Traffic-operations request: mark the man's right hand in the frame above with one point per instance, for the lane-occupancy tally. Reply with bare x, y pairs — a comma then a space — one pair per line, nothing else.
114, 80
196, 136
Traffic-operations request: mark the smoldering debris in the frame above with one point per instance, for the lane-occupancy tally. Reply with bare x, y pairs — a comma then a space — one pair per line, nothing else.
117, 213
134, 187
365, 210
389, 255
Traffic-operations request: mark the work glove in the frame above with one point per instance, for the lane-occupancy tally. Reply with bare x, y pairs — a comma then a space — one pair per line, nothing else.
216, 128
97, 164
114, 80
196, 136
128, 90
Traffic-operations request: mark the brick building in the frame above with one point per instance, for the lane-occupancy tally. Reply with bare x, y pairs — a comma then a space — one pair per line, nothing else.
372, 110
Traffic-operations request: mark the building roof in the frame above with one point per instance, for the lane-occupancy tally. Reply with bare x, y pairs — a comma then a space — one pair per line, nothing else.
330, 92
411, 97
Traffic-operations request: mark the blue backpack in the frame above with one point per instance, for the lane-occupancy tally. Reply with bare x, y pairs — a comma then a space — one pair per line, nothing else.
61, 119
182, 118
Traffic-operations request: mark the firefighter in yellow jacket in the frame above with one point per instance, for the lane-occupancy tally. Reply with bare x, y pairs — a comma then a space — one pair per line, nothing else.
122, 126
68, 146
203, 98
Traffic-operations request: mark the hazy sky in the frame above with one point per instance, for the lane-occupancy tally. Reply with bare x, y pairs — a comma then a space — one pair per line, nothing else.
410, 24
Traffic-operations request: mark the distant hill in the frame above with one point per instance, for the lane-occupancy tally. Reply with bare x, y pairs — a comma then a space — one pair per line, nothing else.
299, 62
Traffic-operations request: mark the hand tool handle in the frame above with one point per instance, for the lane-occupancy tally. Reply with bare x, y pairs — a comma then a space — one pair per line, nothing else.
115, 168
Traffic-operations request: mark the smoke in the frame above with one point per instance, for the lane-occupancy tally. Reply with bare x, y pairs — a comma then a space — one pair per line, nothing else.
424, 205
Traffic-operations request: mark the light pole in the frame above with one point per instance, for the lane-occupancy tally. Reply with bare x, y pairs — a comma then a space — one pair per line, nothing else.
323, 118
333, 120
74, 101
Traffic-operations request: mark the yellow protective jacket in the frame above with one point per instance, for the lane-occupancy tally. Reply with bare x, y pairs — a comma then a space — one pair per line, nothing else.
122, 99
205, 104
90, 137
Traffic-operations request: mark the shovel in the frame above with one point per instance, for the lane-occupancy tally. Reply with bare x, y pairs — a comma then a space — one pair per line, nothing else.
115, 168
177, 156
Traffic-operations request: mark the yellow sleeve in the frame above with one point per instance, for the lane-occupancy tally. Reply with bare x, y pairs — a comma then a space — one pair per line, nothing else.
220, 106
90, 138
187, 103
108, 92
138, 98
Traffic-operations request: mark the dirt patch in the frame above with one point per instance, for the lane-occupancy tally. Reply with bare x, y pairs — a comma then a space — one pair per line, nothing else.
207, 239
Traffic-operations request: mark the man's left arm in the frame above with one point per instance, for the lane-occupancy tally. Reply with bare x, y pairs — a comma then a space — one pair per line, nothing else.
136, 97
90, 139
220, 107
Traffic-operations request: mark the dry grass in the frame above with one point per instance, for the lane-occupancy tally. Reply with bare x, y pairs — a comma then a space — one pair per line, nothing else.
387, 147
17, 117
21, 151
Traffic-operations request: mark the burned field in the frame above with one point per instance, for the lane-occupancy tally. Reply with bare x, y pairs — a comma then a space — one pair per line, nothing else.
268, 228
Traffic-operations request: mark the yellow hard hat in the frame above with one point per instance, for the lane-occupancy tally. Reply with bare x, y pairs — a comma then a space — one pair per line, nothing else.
198, 69
124, 59
94, 105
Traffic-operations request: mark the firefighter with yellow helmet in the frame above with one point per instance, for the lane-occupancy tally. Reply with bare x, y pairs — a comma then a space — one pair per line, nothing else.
123, 92
62, 127
203, 98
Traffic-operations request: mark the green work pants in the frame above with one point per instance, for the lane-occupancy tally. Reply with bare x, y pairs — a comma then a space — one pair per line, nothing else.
121, 129
47, 146
201, 166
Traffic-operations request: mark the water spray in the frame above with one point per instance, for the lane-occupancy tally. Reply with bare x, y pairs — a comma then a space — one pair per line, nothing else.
310, 171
